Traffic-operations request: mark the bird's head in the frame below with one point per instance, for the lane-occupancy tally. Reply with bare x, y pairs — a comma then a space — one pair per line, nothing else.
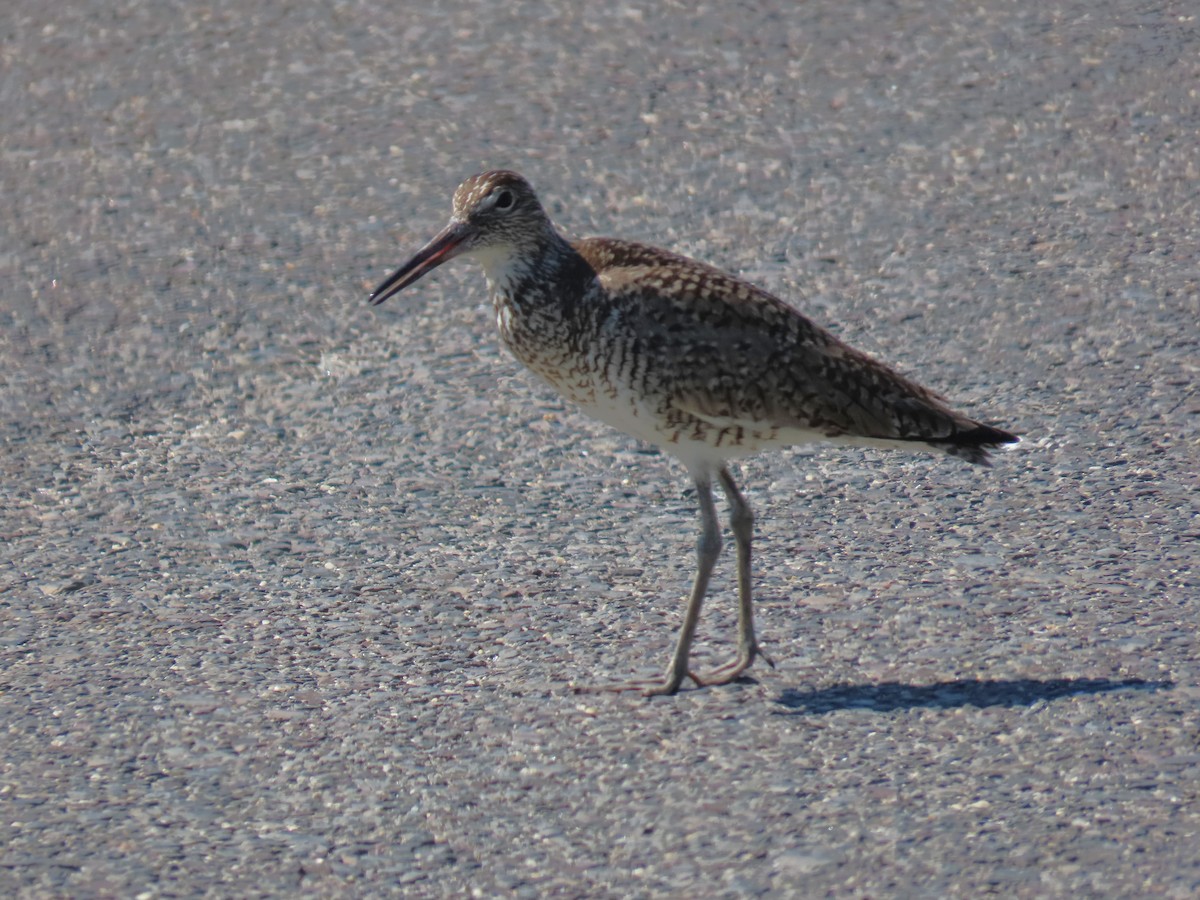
495, 214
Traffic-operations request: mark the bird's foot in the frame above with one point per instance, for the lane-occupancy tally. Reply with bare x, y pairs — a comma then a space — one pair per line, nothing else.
647, 687
671, 683
734, 670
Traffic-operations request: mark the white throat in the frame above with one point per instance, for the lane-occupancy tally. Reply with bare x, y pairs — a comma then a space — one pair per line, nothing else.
502, 266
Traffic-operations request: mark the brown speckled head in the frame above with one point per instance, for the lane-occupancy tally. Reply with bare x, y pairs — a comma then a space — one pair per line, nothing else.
495, 215
499, 189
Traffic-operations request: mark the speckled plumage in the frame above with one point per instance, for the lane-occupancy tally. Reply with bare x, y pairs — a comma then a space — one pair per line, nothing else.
685, 356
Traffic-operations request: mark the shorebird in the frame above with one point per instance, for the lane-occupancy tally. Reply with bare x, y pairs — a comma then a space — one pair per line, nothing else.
696, 361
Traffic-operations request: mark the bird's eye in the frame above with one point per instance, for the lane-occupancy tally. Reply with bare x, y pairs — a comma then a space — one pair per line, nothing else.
504, 200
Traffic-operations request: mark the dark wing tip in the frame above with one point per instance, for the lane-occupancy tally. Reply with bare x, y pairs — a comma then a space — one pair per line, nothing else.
972, 444
985, 436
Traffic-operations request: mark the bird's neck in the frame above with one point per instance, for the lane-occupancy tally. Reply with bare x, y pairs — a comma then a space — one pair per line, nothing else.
513, 270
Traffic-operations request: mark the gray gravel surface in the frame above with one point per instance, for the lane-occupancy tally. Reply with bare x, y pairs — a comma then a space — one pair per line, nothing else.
293, 590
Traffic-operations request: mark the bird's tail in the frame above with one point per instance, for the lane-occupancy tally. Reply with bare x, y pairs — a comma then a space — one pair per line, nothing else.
973, 444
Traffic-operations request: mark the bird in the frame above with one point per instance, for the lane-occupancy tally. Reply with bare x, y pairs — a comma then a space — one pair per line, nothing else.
698, 362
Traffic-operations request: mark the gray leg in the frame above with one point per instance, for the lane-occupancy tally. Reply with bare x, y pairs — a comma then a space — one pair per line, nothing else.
708, 548
741, 520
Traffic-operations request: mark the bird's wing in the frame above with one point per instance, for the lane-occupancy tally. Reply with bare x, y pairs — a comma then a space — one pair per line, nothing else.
734, 355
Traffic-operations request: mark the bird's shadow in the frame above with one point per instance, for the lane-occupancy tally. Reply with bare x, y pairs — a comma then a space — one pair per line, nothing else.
893, 696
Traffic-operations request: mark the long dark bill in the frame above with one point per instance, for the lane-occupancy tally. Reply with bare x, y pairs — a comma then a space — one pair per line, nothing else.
447, 245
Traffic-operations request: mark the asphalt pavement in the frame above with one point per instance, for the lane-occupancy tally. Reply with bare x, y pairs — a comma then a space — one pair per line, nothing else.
294, 591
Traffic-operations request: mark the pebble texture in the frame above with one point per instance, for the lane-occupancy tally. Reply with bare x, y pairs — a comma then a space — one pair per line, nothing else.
288, 582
